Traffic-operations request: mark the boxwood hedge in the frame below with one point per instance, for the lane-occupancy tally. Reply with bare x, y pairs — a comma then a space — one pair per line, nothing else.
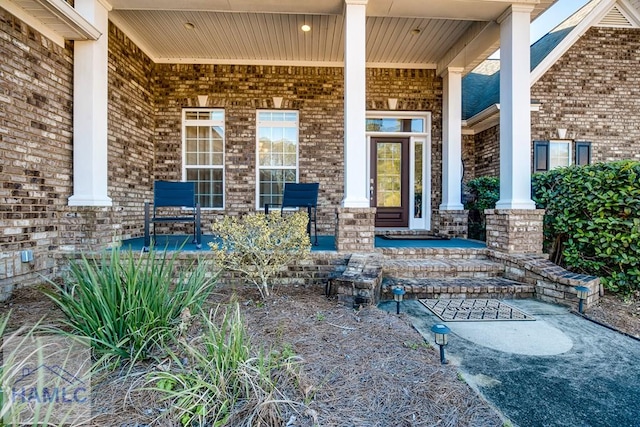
592, 221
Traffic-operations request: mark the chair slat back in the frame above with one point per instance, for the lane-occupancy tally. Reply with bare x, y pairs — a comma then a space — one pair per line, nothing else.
300, 194
175, 194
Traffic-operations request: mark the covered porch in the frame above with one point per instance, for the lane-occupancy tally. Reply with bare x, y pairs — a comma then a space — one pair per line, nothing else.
146, 75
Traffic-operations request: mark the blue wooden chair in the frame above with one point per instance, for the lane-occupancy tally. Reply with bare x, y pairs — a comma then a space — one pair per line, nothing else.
300, 195
176, 197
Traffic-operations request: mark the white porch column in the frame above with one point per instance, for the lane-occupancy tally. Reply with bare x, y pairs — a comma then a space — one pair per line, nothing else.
90, 110
452, 140
356, 187
515, 109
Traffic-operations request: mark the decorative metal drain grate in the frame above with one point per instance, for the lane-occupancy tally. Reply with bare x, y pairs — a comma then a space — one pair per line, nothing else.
473, 310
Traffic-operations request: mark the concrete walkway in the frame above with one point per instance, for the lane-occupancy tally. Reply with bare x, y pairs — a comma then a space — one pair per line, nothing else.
559, 370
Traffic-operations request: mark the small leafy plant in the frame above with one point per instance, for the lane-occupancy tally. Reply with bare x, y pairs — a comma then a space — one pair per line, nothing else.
129, 307
259, 246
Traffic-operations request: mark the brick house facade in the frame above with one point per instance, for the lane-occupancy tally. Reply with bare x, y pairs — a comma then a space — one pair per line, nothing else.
144, 104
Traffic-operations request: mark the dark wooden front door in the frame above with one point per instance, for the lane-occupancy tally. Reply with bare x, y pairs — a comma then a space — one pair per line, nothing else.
390, 181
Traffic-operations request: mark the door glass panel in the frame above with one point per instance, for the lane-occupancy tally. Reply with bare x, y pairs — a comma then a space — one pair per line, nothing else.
388, 175
417, 186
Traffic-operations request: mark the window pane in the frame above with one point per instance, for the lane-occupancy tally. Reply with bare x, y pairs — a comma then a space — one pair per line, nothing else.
417, 185
558, 154
277, 148
203, 132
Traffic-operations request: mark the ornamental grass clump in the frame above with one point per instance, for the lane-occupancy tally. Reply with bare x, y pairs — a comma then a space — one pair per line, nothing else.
215, 380
259, 246
131, 306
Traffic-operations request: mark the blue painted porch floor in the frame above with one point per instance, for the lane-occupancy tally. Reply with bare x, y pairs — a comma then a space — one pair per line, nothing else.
325, 243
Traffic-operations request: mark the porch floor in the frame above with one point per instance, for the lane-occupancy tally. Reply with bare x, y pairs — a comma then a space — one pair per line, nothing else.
325, 243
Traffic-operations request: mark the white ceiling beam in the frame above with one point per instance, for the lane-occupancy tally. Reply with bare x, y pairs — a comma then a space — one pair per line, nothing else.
478, 42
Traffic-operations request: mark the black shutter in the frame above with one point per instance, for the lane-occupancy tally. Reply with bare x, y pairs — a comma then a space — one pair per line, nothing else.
583, 153
540, 156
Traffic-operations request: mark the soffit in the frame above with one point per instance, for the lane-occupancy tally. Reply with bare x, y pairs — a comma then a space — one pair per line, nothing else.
399, 32
56, 15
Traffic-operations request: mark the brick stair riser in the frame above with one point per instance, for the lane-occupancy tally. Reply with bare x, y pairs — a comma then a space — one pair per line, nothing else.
488, 295
442, 273
420, 253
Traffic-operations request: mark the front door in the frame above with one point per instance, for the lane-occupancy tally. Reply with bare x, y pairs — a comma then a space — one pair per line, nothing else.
390, 181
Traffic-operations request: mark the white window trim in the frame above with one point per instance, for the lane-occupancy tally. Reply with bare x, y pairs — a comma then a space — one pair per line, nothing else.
257, 148
569, 143
217, 123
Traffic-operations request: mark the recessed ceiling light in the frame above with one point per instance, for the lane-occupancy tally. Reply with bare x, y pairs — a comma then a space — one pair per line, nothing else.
189, 26
306, 28
416, 31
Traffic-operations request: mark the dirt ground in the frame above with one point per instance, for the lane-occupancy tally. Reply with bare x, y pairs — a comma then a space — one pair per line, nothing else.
360, 368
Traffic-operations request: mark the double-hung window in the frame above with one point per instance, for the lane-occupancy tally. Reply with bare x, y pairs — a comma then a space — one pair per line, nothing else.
553, 154
203, 154
277, 154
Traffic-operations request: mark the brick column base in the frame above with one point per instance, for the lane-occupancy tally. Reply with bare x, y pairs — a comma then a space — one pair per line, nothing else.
451, 223
355, 229
88, 228
515, 230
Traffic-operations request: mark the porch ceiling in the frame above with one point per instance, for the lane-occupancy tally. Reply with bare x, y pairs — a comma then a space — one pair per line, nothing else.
403, 33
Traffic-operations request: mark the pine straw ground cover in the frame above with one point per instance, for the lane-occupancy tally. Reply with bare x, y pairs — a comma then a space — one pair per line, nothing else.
359, 368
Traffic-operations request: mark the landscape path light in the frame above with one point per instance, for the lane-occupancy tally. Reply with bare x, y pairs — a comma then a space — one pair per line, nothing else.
583, 294
398, 294
441, 333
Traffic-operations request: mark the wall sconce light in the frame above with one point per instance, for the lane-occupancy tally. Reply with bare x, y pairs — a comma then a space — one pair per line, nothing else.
392, 103
583, 294
203, 100
277, 102
398, 295
441, 331
562, 133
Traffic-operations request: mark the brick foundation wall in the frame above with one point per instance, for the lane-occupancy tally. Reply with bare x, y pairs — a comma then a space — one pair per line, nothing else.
515, 230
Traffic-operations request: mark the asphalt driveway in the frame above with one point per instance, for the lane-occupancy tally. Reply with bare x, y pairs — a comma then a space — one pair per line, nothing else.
559, 370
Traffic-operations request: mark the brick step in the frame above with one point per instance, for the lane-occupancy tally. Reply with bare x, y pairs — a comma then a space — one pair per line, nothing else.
465, 287
442, 267
448, 253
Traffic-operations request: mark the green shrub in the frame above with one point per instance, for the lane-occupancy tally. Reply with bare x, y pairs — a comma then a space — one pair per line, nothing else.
131, 306
214, 380
485, 192
258, 246
592, 221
